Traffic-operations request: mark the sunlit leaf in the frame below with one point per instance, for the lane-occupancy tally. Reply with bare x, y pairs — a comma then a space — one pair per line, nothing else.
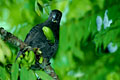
38, 8
14, 71
24, 74
3, 74
27, 74
32, 75
43, 75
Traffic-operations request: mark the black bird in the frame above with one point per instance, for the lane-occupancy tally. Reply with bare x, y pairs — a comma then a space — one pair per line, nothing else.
37, 39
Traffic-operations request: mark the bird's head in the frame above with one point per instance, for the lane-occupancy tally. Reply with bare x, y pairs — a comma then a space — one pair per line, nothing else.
55, 16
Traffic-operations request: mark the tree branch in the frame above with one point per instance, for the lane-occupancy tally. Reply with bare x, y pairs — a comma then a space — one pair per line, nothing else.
9, 37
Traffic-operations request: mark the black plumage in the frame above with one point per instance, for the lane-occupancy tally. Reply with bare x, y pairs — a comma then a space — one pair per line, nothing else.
36, 38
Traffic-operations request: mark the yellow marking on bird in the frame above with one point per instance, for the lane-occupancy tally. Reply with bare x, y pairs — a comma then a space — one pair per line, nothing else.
49, 34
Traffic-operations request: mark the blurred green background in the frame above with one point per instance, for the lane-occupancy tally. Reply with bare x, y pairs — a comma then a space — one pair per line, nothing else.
83, 50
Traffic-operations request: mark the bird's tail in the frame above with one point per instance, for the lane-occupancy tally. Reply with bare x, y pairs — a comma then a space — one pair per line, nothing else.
22, 51
18, 54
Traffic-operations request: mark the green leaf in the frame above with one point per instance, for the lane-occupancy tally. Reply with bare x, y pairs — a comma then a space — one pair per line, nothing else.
31, 57
24, 74
43, 75
38, 8
27, 75
63, 39
80, 9
32, 75
3, 74
113, 76
78, 53
14, 71
2, 57
43, 3
41, 60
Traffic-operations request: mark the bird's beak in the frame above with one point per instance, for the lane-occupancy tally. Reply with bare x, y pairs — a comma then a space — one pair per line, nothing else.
55, 21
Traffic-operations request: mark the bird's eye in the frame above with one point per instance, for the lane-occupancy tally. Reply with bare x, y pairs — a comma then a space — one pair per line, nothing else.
54, 16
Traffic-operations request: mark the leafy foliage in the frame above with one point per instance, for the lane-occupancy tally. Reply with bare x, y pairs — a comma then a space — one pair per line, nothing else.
27, 75
14, 71
43, 75
82, 51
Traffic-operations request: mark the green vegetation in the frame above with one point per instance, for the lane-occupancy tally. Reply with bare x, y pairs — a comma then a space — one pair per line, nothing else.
84, 52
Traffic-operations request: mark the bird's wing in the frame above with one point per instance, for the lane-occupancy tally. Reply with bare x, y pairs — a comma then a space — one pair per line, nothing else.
32, 34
